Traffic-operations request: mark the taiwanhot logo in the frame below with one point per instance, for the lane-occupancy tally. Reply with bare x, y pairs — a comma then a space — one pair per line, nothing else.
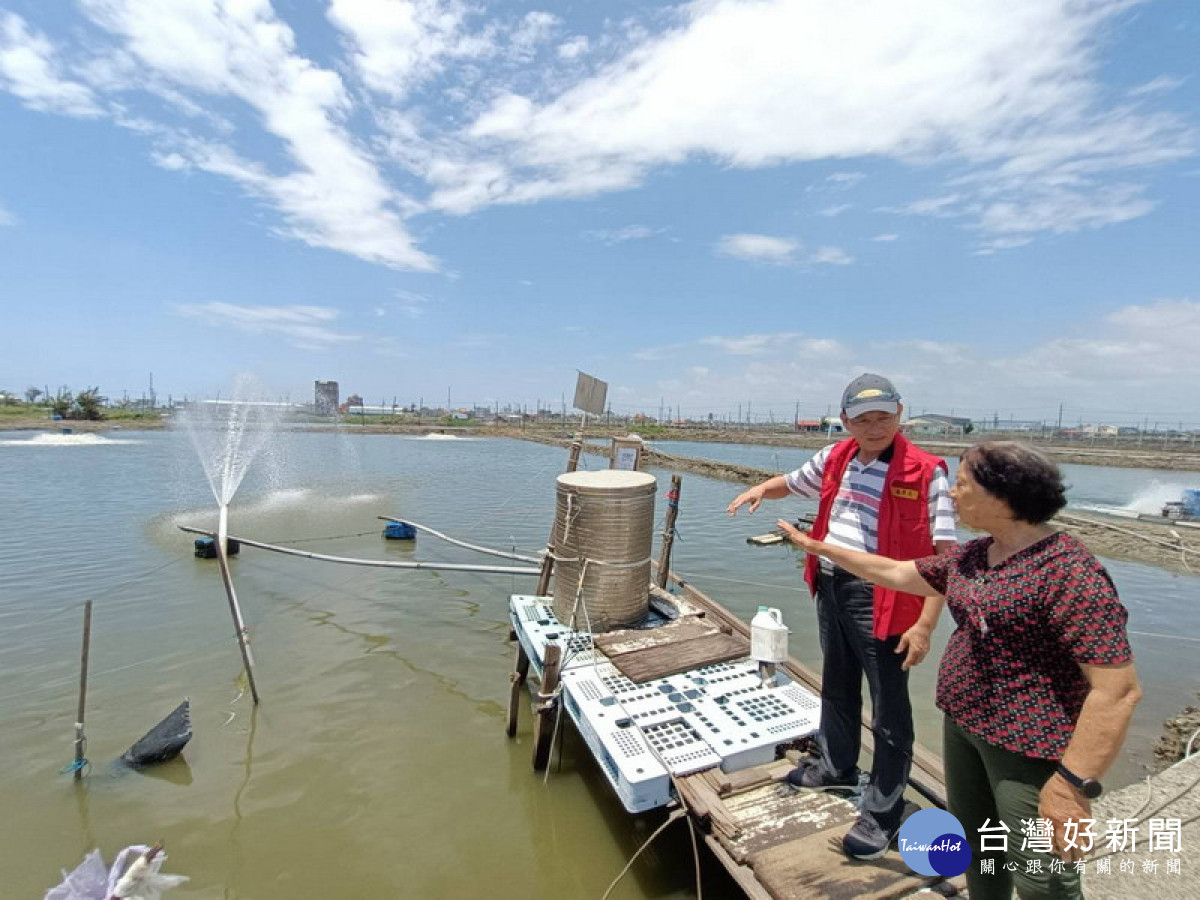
933, 842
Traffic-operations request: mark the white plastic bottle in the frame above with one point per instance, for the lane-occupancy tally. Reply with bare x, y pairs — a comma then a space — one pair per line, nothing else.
768, 636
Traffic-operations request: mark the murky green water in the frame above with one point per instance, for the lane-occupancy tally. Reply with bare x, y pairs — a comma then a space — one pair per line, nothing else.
377, 765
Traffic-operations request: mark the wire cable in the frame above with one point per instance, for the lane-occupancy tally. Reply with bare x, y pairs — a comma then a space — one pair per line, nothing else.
675, 815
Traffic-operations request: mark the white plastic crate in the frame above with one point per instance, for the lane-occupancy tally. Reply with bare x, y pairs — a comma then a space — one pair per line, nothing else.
716, 715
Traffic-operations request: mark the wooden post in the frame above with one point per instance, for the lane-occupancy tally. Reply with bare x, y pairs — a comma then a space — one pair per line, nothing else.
520, 673
547, 706
664, 562
543, 585
80, 740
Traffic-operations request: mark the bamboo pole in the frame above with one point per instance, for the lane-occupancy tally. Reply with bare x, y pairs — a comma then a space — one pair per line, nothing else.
239, 625
668, 538
80, 738
519, 674
544, 711
543, 586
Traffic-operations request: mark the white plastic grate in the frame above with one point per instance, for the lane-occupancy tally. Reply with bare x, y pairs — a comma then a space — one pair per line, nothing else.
717, 715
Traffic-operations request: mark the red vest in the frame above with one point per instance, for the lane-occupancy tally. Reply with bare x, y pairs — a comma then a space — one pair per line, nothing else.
903, 523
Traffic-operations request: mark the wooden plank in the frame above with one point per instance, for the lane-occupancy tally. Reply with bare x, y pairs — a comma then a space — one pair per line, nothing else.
815, 866
772, 814
694, 789
614, 643
669, 659
743, 876
736, 782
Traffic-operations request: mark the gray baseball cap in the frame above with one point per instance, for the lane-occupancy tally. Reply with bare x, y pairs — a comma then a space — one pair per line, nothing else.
870, 393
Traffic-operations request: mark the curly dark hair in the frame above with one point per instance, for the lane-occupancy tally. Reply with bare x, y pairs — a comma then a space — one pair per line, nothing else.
1023, 477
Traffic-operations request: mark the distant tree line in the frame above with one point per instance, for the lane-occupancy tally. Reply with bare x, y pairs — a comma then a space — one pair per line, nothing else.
87, 404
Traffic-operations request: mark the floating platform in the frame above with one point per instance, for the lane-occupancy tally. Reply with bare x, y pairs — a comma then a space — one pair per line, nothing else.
677, 713
716, 715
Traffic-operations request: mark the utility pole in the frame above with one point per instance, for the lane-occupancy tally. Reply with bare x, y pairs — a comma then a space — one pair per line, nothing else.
1060, 412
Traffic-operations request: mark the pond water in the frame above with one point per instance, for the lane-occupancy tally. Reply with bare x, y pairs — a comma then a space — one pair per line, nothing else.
377, 764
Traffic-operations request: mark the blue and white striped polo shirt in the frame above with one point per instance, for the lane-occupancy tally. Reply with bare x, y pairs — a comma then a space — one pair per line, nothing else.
854, 518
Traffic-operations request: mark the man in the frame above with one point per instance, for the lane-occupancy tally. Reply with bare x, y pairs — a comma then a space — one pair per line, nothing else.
878, 493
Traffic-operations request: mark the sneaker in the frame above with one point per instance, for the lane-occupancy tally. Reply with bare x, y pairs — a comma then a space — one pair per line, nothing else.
809, 775
866, 840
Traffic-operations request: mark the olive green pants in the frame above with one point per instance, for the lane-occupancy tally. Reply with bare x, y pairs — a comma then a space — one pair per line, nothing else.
986, 782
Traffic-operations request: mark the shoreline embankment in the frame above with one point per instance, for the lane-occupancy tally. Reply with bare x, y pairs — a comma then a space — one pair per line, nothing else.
1152, 452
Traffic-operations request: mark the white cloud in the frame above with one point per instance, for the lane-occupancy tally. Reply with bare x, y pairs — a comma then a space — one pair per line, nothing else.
425, 106
657, 354
6, 218
750, 344
836, 210
411, 304
778, 251
573, 48
946, 205
397, 45
885, 238
1137, 361
306, 327
1146, 349
29, 70
830, 256
621, 235
832, 80
479, 341
1163, 84
335, 196
535, 28
1063, 209
758, 248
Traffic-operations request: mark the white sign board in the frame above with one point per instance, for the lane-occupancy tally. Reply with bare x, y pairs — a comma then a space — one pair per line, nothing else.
590, 394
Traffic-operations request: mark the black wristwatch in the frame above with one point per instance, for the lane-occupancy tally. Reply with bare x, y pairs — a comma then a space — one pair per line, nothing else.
1089, 787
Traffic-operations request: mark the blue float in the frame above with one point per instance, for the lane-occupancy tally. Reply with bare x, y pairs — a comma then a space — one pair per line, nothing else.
399, 531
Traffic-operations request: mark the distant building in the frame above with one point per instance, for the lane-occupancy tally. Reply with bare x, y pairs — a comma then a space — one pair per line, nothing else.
325, 400
831, 424
809, 425
938, 424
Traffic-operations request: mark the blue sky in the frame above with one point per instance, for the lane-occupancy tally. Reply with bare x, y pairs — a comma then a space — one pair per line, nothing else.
708, 205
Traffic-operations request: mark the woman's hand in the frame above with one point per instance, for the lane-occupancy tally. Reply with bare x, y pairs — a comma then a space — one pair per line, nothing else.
798, 537
1060, 803
915, 644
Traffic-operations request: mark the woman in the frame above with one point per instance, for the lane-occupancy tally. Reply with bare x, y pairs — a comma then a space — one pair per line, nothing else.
1037, 681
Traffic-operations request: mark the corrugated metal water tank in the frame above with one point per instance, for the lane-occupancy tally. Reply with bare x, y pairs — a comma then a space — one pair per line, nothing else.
603, 526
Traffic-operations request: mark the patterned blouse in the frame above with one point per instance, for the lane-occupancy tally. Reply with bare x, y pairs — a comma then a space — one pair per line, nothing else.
1011, 671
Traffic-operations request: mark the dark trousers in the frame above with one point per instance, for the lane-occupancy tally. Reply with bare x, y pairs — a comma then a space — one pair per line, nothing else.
986, 785
845, 615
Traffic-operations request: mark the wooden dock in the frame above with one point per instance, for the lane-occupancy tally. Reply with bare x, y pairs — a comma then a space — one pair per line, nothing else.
776, 842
